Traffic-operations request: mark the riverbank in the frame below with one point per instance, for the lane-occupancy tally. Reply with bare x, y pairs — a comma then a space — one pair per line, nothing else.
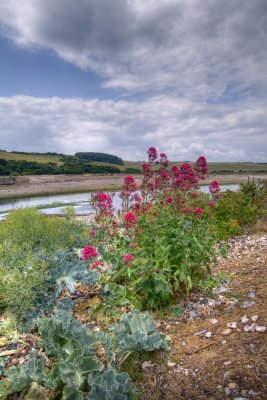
36, 185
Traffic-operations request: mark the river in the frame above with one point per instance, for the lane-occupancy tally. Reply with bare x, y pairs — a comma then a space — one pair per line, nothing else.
79, 201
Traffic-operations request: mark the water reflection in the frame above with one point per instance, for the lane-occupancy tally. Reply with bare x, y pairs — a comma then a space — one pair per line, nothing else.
79, 201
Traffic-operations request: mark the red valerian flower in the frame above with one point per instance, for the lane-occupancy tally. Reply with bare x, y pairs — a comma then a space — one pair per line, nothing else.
186, 210
91, 233
114, 224
137, 198
95, 264
129, 184
128, 257
89, 252
130, 218
199, 211
146, 169
214, 187
164, 159
201, 167
169, 200
165, 175
152, 154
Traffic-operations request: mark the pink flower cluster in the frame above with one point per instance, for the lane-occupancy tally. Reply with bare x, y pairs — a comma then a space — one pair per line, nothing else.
130, 219
89, 252
128, 258
214, 187
201, 167
152, 154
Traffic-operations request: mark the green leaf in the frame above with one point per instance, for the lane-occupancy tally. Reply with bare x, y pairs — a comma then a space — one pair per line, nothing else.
110, 385
36, 392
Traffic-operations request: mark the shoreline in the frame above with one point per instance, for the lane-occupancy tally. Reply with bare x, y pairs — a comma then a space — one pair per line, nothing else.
48, 185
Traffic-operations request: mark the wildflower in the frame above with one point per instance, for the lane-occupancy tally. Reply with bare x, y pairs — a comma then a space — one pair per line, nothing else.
201, 167
128, 257
114, 224
199, 211
137, 198
165, 175
186, 210
146, 169
130, 218
214, 187
164, 159
152, 154
95, 264
133, 245
129, 184
194, 195
89, 252
169, 200
91, 233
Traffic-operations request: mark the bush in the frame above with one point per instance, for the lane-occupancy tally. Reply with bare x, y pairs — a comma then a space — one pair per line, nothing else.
25, 235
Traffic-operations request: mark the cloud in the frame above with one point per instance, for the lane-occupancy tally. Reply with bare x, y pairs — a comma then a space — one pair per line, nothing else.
180, 127
194, 49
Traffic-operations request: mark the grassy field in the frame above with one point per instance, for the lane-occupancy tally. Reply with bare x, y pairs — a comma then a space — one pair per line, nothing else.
220, 167
42, 158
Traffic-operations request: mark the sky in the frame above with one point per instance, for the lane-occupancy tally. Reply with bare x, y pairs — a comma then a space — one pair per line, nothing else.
118, 76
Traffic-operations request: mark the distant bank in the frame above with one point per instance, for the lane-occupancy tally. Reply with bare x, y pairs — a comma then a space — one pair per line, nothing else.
35, 185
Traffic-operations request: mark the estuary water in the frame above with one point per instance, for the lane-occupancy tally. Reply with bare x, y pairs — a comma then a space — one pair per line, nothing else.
55, 204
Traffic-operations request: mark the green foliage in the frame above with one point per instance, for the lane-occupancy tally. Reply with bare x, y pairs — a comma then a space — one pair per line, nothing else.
103, 157
111, 385
237, 210
27, 238
64, 272
77, 372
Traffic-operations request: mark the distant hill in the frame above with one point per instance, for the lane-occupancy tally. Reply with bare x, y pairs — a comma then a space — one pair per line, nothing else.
26, 163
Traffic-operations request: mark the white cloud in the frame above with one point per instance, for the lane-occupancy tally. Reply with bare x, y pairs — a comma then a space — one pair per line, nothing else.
195, 49
182, 128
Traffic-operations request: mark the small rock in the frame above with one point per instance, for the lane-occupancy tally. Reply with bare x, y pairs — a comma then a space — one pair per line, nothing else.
226, 374
227, 332
255, 318
250, 328
171, 364
204, 302
260, 329
232, 385
96, 329
226, 363
146, 364
251, 295
224, 342
214, 321
227, 391
232, 325
192, 314
244, 319
208, 335
211, 303
168, 327
247, 304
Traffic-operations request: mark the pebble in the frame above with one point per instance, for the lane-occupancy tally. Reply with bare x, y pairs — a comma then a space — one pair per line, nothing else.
250, 328
232, 325
227, 332
255, 318
244, 319
147, 364
214, 321
260, 329
208, 335
171, 364
227, 391
251, 295
233, 385
247, 304
226, 363
224, 342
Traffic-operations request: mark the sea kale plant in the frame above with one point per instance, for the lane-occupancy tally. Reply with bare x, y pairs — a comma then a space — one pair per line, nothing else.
162, 240
72, 368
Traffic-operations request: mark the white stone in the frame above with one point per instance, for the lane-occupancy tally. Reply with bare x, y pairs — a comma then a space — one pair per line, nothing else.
244, 319
227, 332
232, 325
260, 329
214, 321
208, 335
249, 328
255, 318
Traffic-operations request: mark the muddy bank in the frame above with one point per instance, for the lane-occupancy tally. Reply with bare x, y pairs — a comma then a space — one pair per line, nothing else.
35, 185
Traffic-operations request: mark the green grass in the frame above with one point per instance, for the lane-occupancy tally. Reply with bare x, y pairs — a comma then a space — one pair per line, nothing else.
42, 158
231, 167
